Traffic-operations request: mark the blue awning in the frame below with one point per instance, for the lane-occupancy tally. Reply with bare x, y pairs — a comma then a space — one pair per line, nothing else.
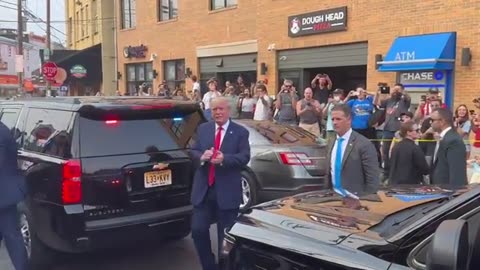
430, 51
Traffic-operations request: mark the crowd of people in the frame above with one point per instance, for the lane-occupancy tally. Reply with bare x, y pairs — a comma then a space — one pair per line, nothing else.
383, 116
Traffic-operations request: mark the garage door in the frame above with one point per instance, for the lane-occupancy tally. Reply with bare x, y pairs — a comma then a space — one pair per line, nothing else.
231, 63
329, 56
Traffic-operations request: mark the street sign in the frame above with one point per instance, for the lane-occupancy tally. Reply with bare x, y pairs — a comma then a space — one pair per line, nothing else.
49, 70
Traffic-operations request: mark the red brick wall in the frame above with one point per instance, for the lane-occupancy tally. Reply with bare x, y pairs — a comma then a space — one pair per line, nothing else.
377, 22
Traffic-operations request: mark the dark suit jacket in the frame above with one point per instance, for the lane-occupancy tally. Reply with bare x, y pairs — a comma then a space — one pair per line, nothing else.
407, 164
450, 165
12, 183
236, 150
360, 170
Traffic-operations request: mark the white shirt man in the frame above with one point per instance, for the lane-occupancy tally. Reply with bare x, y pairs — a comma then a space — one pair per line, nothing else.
208, 97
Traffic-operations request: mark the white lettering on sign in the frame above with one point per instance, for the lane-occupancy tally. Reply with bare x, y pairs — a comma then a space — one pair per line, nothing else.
312, 20
335, 16
418, 76
404, 56
330, 17
49, 69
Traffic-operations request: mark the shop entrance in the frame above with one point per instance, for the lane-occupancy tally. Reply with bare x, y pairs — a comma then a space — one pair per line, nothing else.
346, 64
346, 78
228, 68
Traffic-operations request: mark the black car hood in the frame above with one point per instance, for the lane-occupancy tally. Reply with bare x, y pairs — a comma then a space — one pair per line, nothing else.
316, 223
300, 237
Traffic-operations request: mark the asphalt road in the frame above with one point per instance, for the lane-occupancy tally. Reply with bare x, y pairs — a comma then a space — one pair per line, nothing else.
175, 255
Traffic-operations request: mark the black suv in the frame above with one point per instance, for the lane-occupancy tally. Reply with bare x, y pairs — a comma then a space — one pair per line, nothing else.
102, 171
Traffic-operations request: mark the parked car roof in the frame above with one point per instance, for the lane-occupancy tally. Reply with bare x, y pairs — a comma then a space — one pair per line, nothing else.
279, 133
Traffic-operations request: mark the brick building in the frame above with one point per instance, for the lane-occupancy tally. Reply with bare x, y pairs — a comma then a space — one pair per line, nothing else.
420, 43
91, 61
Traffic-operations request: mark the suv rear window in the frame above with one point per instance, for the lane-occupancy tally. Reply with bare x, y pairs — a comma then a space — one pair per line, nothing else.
119, 137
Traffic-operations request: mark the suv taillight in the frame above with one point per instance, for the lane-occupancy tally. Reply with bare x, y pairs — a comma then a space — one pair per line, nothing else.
71, 182
295, 158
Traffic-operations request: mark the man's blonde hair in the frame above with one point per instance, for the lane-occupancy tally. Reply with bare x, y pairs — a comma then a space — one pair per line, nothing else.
219, 100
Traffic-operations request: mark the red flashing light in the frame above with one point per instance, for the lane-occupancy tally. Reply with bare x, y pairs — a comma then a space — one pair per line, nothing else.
111, 122
71, 182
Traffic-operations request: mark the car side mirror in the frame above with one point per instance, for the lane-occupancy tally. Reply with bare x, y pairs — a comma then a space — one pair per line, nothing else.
449, 249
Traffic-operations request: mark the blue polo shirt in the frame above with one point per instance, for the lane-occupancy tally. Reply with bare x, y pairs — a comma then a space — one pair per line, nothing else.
361, 112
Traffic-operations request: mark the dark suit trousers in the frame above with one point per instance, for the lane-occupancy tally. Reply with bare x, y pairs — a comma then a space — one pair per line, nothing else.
203, 216
10, 233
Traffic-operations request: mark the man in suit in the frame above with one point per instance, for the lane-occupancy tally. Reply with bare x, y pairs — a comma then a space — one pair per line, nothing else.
12, 191
449, 158
222, 149
354, 169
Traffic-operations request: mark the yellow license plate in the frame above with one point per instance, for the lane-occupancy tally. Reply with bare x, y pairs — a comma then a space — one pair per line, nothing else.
158, 178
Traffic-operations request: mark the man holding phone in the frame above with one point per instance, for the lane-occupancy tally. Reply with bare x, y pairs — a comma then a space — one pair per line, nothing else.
398, 103
425, 107
321, 85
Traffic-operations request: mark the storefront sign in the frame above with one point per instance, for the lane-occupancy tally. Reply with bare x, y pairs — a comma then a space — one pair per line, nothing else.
135, 52
423, 77
318, 22
78, 71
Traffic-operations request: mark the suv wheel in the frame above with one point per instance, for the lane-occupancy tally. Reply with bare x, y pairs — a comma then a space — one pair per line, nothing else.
39, 255
249, 191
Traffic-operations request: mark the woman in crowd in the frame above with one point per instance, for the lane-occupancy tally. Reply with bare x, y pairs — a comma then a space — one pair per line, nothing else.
327, 111
404, 117
463, 126
246, 105
179, 94
211, 94
408, 164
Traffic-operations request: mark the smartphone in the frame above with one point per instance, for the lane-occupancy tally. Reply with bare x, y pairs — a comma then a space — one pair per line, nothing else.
385, 89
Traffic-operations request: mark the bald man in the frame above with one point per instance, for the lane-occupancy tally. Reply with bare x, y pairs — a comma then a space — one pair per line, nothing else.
309, 111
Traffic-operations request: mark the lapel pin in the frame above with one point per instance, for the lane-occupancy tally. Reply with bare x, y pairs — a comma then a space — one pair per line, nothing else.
231, 132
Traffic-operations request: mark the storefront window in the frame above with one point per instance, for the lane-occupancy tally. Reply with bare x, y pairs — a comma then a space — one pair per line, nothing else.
140, 70
128, 13
174, 73
219, 4
138, 74
168, 9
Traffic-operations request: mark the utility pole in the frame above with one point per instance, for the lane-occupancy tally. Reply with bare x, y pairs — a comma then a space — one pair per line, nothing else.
19, 55
49, 46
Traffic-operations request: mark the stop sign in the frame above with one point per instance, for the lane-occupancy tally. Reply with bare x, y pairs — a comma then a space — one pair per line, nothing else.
49, 70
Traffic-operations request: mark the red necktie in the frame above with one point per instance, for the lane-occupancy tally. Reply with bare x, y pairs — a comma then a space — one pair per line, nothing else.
211, 175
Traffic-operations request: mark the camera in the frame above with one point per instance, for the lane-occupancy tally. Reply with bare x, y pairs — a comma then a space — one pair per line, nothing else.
309, 104
383, 88
423, 98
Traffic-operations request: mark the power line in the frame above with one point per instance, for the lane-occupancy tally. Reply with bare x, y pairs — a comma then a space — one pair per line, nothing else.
33, 16
28, 13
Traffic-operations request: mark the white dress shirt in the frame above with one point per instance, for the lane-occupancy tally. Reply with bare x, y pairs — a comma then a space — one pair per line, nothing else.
346, 141
346, 138
224, 131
